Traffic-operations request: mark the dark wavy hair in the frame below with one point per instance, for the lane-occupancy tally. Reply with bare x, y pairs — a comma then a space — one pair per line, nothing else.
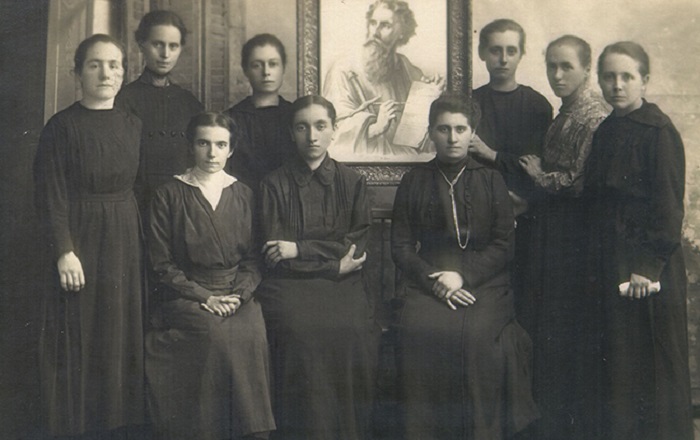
159, 18
582, 47
632, 50
261, 40
455, 103
86, 44
402, 12
212, 119
501, 25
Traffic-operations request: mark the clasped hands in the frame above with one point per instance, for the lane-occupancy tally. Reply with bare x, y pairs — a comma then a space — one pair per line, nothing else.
278, 250
448, 287
224, 305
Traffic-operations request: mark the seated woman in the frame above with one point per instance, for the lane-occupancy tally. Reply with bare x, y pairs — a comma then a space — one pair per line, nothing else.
207, 355
463, 360
261, 118
320, 321
636, 179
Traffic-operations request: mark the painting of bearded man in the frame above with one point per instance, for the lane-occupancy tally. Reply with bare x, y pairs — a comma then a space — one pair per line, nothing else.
369, 88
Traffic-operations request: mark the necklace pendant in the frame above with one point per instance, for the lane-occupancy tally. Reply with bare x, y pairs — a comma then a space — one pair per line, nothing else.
452, 191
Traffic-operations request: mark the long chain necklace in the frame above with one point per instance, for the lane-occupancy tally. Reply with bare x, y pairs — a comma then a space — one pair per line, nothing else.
454, 206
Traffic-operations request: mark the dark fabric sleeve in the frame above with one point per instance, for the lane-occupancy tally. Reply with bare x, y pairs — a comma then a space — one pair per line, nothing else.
160, 246
358, 232
248, 276
479, 266
50, 177
509, 163
404, 238
276, 227
662, 231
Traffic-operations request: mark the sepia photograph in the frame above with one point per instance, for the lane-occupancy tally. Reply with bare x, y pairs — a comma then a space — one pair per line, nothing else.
349, 219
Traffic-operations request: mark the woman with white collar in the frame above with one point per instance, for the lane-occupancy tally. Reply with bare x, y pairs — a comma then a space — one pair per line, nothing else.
207, 357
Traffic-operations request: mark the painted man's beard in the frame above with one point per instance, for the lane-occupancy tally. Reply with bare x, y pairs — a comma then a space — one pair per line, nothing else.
377, 61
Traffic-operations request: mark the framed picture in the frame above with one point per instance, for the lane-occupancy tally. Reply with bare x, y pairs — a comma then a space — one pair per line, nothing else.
381, 64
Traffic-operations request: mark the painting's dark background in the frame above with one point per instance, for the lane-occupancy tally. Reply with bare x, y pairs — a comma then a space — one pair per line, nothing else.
37, 41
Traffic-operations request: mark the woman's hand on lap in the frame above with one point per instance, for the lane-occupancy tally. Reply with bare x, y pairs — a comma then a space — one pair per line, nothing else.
446, 282
460, 297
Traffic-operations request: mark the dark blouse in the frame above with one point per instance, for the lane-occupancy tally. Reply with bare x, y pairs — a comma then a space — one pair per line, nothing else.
165, 113
423, 216
189, 239
638, 166
76, 160
264, 141
514, 124
323, 211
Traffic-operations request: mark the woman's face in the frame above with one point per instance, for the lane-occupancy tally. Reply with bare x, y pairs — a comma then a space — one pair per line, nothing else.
162, 49
312, 131
102, 72
565, 73
265, 69
451, 135
622, 84
212, 147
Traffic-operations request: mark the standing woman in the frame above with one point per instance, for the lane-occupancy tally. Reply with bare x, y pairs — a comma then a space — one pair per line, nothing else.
265, 143
636, 178
563, 328
323, 335
91, 354
464, 361
207, 355
163, 107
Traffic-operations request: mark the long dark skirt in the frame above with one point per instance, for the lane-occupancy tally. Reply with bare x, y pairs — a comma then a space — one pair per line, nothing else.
208, 375
647, 380
463, 374
565, 326
91, 355
324, 344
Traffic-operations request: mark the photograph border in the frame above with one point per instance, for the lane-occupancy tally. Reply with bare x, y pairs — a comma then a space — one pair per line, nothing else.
459, 70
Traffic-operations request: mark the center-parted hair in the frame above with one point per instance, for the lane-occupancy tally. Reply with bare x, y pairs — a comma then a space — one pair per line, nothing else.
212, 119
582, 48
261, 40
402, 12
159, 18
501, 25
455, 103
308, 101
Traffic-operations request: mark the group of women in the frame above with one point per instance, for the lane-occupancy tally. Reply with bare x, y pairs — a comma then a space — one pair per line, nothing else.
245, 315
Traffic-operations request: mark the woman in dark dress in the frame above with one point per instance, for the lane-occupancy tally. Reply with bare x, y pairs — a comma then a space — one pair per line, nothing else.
261, 118
91, 354
207, 356
464, 361
317, 311
636, 180
164, 107
562, 321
